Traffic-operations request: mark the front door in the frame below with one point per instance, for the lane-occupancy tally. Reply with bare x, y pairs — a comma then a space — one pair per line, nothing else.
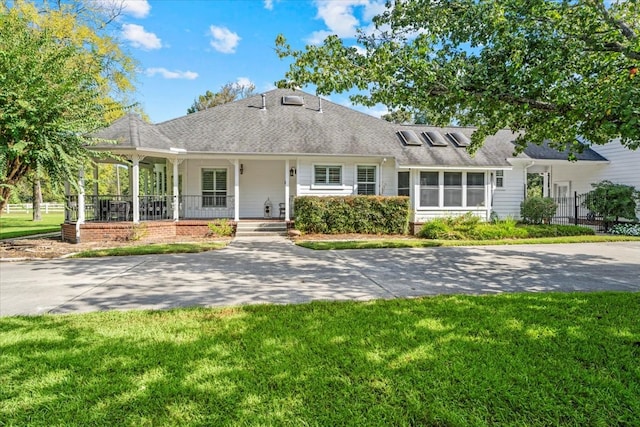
562, 189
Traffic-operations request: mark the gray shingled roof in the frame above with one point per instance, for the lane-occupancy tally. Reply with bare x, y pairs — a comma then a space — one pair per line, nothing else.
243, 127
131, 131
545, 152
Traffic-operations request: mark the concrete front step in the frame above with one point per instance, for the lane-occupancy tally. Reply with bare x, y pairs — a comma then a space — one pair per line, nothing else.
261, 228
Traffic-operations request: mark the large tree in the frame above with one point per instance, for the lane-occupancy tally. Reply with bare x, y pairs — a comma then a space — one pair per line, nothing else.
227, 93
60, 78
556, 69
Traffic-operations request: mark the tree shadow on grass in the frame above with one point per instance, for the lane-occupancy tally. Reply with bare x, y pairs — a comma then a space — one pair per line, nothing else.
532, 359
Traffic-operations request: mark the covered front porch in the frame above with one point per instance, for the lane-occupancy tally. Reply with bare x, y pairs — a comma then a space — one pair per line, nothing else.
177, 189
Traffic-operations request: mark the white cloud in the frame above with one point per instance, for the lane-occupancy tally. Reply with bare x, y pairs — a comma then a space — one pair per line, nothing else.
340, 17
224, 40
167, 74
268, 4
138, 37
317, 37
244, 82
135, 8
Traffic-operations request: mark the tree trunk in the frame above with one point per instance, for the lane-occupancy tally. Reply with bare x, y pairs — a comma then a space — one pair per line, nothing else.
37, 200
5, 193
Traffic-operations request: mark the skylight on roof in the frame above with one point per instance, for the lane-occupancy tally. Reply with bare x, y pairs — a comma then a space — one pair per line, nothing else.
435, 138
460, 139
409, 137
292, 100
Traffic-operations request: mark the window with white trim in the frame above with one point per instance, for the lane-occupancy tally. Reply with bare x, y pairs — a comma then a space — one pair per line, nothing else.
499, 179
327, 175
367, 176
453, 189
475, 189
214, 188
404, 185
429, 188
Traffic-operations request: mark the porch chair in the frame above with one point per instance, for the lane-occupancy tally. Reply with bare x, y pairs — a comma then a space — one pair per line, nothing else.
282, 210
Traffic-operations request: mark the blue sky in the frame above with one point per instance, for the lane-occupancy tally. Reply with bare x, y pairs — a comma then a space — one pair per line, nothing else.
186, 47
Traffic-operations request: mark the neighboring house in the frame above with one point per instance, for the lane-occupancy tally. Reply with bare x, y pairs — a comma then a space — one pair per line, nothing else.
252, 157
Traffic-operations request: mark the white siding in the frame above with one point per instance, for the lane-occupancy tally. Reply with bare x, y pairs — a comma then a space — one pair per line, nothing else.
623, 166
506, 200
579, 175
386, 178
261, 180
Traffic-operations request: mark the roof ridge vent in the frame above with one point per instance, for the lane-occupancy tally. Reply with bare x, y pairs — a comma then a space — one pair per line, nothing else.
459, 138
435, 138
293, 100
409, 137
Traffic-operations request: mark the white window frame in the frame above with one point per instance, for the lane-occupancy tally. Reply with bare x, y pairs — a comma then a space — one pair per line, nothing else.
458, 188
477, 188
327, 185
499, 177
441, 189
408, 187
374, 182
215, 191
430, 187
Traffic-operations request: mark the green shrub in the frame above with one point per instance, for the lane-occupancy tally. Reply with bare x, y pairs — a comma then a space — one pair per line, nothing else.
221, 228
625, 229
466, 227
536, 210
556, 230
352, 214
612, 201
441, 229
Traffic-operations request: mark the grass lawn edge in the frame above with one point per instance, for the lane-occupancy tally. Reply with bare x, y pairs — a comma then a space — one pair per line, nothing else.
424, 243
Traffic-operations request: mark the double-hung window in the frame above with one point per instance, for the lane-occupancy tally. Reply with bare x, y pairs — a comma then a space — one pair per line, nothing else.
404, 183
453, 189
214, 188
327, 175
367, 180
429, 188
475, 189
499, 179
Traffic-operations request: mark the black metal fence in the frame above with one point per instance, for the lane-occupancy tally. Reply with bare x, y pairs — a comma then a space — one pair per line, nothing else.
112, 208
573, 210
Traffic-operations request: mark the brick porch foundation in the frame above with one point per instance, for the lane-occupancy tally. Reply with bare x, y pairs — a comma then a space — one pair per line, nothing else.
118, 231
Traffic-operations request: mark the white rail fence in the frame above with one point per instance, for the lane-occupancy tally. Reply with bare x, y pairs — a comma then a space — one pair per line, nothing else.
28, 208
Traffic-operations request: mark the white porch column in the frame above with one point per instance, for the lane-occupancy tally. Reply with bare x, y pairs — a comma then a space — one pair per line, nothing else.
135, 181
176, 190
81, 217
236, 190
286, 190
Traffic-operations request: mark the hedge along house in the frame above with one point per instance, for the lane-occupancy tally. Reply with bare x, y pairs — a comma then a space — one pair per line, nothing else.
250, 158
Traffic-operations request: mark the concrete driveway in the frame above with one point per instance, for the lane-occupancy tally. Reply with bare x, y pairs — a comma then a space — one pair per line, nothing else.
276, 271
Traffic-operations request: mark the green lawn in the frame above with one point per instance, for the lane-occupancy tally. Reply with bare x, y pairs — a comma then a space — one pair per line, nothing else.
20, 224
511, 359
425, 243
154, 248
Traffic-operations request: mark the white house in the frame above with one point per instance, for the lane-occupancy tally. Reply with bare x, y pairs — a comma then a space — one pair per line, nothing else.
252, 157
